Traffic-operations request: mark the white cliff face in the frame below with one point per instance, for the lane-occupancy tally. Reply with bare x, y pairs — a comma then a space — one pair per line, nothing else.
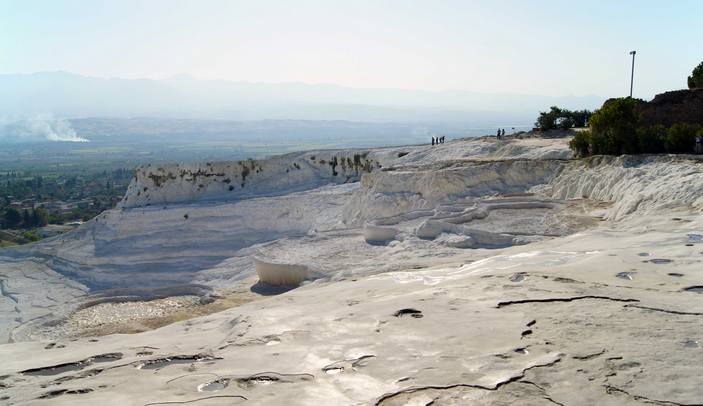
634, 184
236, 180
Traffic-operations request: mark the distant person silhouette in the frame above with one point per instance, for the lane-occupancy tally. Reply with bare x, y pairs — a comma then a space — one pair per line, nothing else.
502, 134
498, 134
432, 141
698, 149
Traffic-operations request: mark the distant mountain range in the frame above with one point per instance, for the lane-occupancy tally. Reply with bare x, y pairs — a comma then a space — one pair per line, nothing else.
68, 95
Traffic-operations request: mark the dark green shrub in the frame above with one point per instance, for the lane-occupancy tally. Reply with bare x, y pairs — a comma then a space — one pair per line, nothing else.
31, 236
597, 144
650, 140
681, 138
696, 78
581, 143
614, 127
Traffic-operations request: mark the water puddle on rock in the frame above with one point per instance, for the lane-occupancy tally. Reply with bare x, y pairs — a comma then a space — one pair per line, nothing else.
661, 261
213, 386
270, 378
112, 356
176, 359
55, 369
694, 237
72, 366
691, 344
624, 275
60, 392
694, 289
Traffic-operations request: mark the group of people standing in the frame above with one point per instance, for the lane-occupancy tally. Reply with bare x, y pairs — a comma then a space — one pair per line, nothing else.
438, 140
500, 134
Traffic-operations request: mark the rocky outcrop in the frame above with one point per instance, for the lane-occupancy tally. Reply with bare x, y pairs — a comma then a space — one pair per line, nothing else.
679, 106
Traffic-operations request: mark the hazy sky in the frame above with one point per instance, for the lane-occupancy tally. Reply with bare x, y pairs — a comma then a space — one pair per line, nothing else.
540, 47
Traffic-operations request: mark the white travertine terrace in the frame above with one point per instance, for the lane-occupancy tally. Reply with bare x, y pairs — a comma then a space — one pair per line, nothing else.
475, 272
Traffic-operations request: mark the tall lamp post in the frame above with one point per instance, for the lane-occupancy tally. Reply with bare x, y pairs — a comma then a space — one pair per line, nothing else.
632, 75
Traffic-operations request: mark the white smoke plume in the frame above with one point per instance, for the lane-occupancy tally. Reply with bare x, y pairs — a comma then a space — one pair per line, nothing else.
37, 129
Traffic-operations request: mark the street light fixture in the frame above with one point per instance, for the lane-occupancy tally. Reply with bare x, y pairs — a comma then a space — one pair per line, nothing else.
632, 75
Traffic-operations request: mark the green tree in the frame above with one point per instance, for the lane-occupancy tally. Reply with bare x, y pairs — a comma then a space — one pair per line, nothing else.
696, 78
557, 117
12, 217
565, 122
547, 120
614, 127
26, 219
681, 138
580, 117
41, 217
